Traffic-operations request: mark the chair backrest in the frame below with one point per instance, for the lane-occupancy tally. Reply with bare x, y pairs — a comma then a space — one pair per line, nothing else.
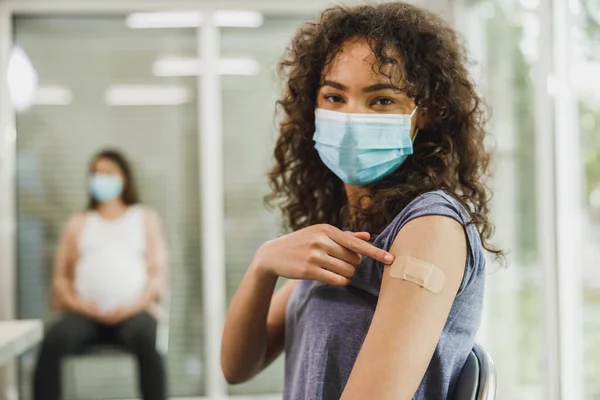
162, 330
467, 384
487, 375
477, 380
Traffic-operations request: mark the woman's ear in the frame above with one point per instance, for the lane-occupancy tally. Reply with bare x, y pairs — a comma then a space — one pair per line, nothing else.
422, 118
419, 121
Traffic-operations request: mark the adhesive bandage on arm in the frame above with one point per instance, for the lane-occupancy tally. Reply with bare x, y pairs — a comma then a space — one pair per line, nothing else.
418, 272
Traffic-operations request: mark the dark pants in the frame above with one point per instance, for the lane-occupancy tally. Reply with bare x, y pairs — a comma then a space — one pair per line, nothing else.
72, 333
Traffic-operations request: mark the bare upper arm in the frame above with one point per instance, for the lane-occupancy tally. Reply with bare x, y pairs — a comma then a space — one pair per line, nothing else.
409, 319
67, 252
156, 253
152, 225
276, 321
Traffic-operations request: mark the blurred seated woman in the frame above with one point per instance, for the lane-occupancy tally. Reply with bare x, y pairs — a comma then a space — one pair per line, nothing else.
109, 276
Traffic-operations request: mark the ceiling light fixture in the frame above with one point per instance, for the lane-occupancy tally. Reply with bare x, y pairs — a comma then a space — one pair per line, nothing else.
238, 19
52, 95
193, 19
172, 19
180, 66
147, 95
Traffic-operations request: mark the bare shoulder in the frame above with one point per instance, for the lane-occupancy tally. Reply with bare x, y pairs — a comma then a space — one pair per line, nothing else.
431, 236
152, 219
437, 240
75, 223
148, 211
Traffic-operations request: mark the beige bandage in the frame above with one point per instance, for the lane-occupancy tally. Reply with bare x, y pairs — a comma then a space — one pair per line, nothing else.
419, 272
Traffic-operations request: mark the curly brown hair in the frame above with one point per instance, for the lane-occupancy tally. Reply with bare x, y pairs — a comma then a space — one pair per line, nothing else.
420, 53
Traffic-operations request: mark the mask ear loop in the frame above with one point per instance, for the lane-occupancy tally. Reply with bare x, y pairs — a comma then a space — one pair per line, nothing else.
416, 128
413, 111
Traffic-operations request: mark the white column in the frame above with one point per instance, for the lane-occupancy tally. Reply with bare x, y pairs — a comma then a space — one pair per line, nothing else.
212, 212
505, 285
7, 194
568, 207
545, 201
472, 26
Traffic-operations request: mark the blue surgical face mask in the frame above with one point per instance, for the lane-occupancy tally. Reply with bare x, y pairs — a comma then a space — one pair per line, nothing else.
362, 148
105, 187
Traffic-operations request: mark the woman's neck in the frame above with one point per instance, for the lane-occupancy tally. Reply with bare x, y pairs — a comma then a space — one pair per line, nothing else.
112, 209
357, 198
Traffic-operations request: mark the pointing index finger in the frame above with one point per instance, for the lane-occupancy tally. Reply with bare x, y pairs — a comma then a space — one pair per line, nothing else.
349, 241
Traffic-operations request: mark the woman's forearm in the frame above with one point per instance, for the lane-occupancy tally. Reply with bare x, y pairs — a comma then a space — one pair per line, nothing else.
66, 295
151, 294
245, 339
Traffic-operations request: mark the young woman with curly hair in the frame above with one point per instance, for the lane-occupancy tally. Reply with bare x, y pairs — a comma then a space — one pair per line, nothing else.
380, 166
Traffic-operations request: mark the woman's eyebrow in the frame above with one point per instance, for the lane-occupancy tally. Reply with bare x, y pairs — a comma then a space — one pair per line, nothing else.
372, 88
335, 85
380, 86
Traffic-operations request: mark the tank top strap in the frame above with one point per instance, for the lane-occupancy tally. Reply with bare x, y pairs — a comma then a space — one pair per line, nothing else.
136, 213
137, 218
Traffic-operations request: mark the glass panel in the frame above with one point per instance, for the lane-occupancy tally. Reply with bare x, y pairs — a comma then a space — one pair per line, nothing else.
249, 135
585, 69
78, 59
502, 36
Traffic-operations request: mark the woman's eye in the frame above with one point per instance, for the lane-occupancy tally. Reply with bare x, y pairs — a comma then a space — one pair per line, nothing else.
383, 101
334, 98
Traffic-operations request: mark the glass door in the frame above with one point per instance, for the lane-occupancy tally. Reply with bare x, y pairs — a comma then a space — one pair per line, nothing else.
585, 68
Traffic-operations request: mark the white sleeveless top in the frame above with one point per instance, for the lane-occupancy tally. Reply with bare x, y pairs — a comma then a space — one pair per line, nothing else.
111, 270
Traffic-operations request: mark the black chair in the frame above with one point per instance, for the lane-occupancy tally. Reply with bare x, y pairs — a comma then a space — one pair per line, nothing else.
477, 380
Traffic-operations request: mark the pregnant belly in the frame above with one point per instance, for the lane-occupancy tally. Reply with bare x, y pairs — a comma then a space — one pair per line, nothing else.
111, 283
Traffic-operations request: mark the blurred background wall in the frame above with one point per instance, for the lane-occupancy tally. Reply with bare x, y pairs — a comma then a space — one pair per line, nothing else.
190, 98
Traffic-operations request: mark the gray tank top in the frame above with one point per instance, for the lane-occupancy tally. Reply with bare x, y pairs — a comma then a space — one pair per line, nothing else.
326, 325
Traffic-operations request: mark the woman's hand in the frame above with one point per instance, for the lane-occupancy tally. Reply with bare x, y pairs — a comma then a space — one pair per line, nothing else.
321, 252
86, 308
119, 315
